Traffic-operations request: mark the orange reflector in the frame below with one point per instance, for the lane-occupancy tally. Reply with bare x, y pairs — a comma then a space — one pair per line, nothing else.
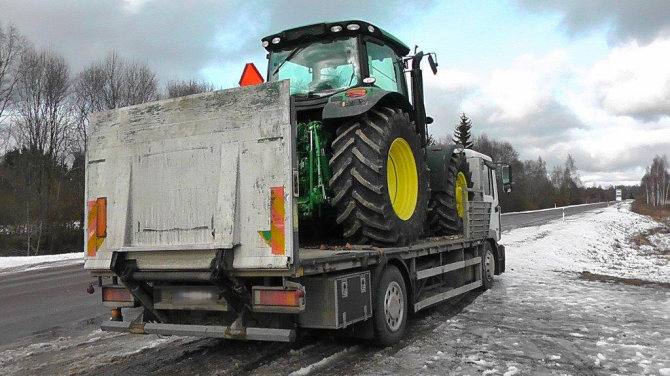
250, 76
286, 298
101, 219
116, 294
355, 93
115, 315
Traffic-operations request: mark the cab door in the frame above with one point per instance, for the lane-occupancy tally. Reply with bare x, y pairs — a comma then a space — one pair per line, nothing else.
490, 195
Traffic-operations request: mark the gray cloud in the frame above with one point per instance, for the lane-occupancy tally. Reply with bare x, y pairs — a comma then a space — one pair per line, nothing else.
179, 39
547, 129
625, 20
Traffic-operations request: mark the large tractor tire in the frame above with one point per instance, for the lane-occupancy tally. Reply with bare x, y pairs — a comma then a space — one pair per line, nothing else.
447, 208
380, 179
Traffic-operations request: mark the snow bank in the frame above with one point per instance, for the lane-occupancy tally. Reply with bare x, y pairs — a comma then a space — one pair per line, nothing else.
22, 263
599, 242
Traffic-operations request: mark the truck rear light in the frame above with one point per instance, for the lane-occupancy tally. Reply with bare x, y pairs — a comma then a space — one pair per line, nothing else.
115, 315
281, 298
101, 219
116, 294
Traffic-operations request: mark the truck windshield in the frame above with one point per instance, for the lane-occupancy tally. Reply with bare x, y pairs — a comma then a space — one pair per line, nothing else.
318, 69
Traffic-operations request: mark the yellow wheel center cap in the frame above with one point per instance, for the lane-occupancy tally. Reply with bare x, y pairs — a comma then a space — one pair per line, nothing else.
461, 193
401, 178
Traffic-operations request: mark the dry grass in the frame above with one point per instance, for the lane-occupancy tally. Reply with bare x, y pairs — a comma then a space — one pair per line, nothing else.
618, 280
658, 213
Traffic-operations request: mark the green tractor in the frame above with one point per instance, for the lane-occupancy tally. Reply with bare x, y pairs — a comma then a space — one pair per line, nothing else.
362, 150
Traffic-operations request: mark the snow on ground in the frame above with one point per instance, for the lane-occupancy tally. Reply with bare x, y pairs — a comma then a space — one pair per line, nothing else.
22, 263
541, 318
598, 242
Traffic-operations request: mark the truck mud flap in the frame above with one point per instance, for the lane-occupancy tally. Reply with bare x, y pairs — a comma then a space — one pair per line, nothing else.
246, 334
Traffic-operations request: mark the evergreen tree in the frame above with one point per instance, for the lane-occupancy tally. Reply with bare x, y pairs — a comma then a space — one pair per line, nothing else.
462, 133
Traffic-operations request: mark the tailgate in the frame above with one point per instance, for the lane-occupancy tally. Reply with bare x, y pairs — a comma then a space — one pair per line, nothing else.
185, 177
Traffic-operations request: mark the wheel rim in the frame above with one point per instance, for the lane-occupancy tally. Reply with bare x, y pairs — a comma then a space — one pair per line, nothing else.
488, 266
394, 306
460, 191
401, 178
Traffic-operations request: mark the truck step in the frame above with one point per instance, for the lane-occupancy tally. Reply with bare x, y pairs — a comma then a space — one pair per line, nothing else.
450, 293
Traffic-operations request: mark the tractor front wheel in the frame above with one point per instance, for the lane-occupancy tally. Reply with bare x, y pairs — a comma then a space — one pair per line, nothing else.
380, 179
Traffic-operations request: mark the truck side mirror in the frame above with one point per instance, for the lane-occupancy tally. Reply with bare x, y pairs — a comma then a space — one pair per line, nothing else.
507, 178
433, 64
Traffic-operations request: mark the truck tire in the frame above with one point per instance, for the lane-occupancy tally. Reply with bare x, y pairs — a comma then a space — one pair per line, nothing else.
488, 266
390, 307
380, 179
445, 216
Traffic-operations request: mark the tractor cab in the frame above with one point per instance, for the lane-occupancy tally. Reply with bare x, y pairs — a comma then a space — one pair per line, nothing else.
327, 58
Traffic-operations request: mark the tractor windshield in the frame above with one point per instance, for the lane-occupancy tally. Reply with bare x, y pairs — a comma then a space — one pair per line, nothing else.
318, 69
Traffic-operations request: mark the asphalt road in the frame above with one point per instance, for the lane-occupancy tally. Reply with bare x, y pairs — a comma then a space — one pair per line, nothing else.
524, 219
41, 305
47, 304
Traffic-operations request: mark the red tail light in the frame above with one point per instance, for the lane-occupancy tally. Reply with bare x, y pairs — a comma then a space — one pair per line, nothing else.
284, 298
116, 294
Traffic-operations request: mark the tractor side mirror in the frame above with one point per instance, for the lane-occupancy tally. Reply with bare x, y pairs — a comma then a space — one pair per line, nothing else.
433, 63
507, 178
429, 120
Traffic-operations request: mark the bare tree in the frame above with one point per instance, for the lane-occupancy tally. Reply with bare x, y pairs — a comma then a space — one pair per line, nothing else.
42, 111
111, 83
176, 88
12, 46
656, 181
41, 126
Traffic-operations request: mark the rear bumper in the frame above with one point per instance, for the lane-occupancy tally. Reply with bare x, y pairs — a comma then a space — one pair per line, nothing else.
501, 259
250, 334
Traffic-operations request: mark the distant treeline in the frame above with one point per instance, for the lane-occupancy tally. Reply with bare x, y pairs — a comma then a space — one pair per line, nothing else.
537, 188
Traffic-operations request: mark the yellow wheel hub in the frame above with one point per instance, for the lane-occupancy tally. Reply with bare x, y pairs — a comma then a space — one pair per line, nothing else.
402, 180
461, 193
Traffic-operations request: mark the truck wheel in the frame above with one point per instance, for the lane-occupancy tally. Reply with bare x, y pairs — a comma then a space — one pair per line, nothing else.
488, 266
380, 179
390, 309
447, 207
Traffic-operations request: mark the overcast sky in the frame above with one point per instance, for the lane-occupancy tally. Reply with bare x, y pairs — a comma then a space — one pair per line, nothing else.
590, 78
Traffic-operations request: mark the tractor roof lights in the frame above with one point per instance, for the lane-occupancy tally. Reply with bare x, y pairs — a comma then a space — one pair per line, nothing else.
336, 28
265, 43
371, 28
353, 27
276, 40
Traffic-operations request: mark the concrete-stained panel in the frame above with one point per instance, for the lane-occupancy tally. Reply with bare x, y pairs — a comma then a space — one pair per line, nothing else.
196, 173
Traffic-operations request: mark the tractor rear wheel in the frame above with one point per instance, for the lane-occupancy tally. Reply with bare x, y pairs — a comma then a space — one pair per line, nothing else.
447, 207
380, 178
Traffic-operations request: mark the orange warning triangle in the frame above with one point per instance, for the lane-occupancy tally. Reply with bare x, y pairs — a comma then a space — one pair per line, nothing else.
250, 76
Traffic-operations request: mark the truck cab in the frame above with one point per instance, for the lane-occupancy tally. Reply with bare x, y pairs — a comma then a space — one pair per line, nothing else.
485, 185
